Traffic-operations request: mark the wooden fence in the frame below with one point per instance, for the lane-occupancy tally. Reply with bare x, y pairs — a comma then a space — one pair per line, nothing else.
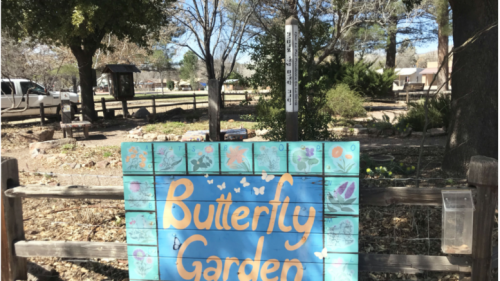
106, 109
482, 175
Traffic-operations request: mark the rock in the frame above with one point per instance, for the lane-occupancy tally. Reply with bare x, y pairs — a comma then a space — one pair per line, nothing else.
37, 151
172, 137
136, 132
77, 166
51, 144
150, 136
69, 165
436, 132
161, 138
102, 164
89, 164
417, 134
251, 133
358, 126
261, 132
142, 113
44, 135
39, 156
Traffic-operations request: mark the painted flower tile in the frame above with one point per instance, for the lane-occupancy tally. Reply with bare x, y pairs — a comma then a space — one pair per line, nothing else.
305, 157
270, 157
342, 158
203, 158
139, 193
170, 157
236, 158
341, 196
137, 158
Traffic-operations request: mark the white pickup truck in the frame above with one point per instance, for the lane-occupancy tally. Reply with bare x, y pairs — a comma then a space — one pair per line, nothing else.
37, 95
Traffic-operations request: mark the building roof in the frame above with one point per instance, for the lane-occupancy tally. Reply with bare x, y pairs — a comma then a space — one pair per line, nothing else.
432, 70
404, 71
120, 68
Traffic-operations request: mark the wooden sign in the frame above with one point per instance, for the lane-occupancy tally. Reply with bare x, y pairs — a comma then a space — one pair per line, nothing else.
292, 65
241, 210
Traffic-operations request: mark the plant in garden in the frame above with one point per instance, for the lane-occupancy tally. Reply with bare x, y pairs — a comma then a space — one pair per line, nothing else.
203, 160
344, 102
341, 197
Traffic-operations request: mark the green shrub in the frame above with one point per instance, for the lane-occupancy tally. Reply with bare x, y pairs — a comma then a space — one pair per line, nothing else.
443, 105
170, 85
416, 117
345, 102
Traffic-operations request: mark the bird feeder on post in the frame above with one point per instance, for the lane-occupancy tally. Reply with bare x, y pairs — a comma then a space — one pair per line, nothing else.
121, 80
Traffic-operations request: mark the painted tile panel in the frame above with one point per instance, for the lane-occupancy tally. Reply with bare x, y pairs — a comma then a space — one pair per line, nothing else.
203, 157
270, 157
170, 157
305, 157
139, 193
137, 158
236, 158
141, 228
342, 158
143, 262
342, 267
342, 196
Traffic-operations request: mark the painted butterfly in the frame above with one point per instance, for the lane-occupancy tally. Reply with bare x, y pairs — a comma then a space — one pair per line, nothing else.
177, 243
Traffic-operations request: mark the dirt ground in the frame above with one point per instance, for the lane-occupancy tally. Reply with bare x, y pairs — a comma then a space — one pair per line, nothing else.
388, 230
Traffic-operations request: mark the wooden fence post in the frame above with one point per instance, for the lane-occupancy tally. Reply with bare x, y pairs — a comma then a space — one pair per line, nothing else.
124, 108
42, 115
154, 109
13, 267
194, 101
103, 105
213, 109
483, 174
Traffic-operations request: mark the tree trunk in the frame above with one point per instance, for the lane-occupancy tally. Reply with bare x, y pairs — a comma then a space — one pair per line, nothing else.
349, 56
473, 128
390, 49
161, 83
84, 59
443, 46
75, 87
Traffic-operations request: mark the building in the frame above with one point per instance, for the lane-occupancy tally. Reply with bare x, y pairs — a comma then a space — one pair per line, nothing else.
233, 85
406, 75
431, 71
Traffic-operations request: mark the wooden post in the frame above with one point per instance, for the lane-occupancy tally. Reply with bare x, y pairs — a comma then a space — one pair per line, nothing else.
213, 109
483, 174
407, 96
292, 78
154, 108
13, 268
42, 115
103, 105
124, 108
194, 101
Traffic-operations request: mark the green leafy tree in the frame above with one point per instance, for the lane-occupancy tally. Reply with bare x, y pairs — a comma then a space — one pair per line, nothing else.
161, 62
189, 67
170, 85
81, 25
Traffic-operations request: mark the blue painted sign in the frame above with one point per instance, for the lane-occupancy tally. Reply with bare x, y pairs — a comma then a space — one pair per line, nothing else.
242, 211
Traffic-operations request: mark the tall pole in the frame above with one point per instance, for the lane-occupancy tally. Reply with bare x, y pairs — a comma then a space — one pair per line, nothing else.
292, 78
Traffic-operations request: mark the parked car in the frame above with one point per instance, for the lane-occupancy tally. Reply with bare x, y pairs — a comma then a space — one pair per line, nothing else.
37, 95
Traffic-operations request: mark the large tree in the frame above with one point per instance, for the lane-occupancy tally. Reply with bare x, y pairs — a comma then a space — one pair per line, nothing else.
473, 129
189, 68
219, 30
81, 25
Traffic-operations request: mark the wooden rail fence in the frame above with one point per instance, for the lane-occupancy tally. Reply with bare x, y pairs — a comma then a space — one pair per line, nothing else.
483, 175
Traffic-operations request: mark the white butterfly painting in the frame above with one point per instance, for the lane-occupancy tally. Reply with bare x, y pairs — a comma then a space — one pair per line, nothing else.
259, 191
244, 182
221, 187
267, 177
210, 181
206, 175
237, 190
322, 255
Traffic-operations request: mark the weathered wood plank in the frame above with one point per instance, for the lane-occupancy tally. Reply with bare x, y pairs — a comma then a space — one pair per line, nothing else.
69, 191
368, 196
71, 249
13, 267
402, 196
483, 173
367, 262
